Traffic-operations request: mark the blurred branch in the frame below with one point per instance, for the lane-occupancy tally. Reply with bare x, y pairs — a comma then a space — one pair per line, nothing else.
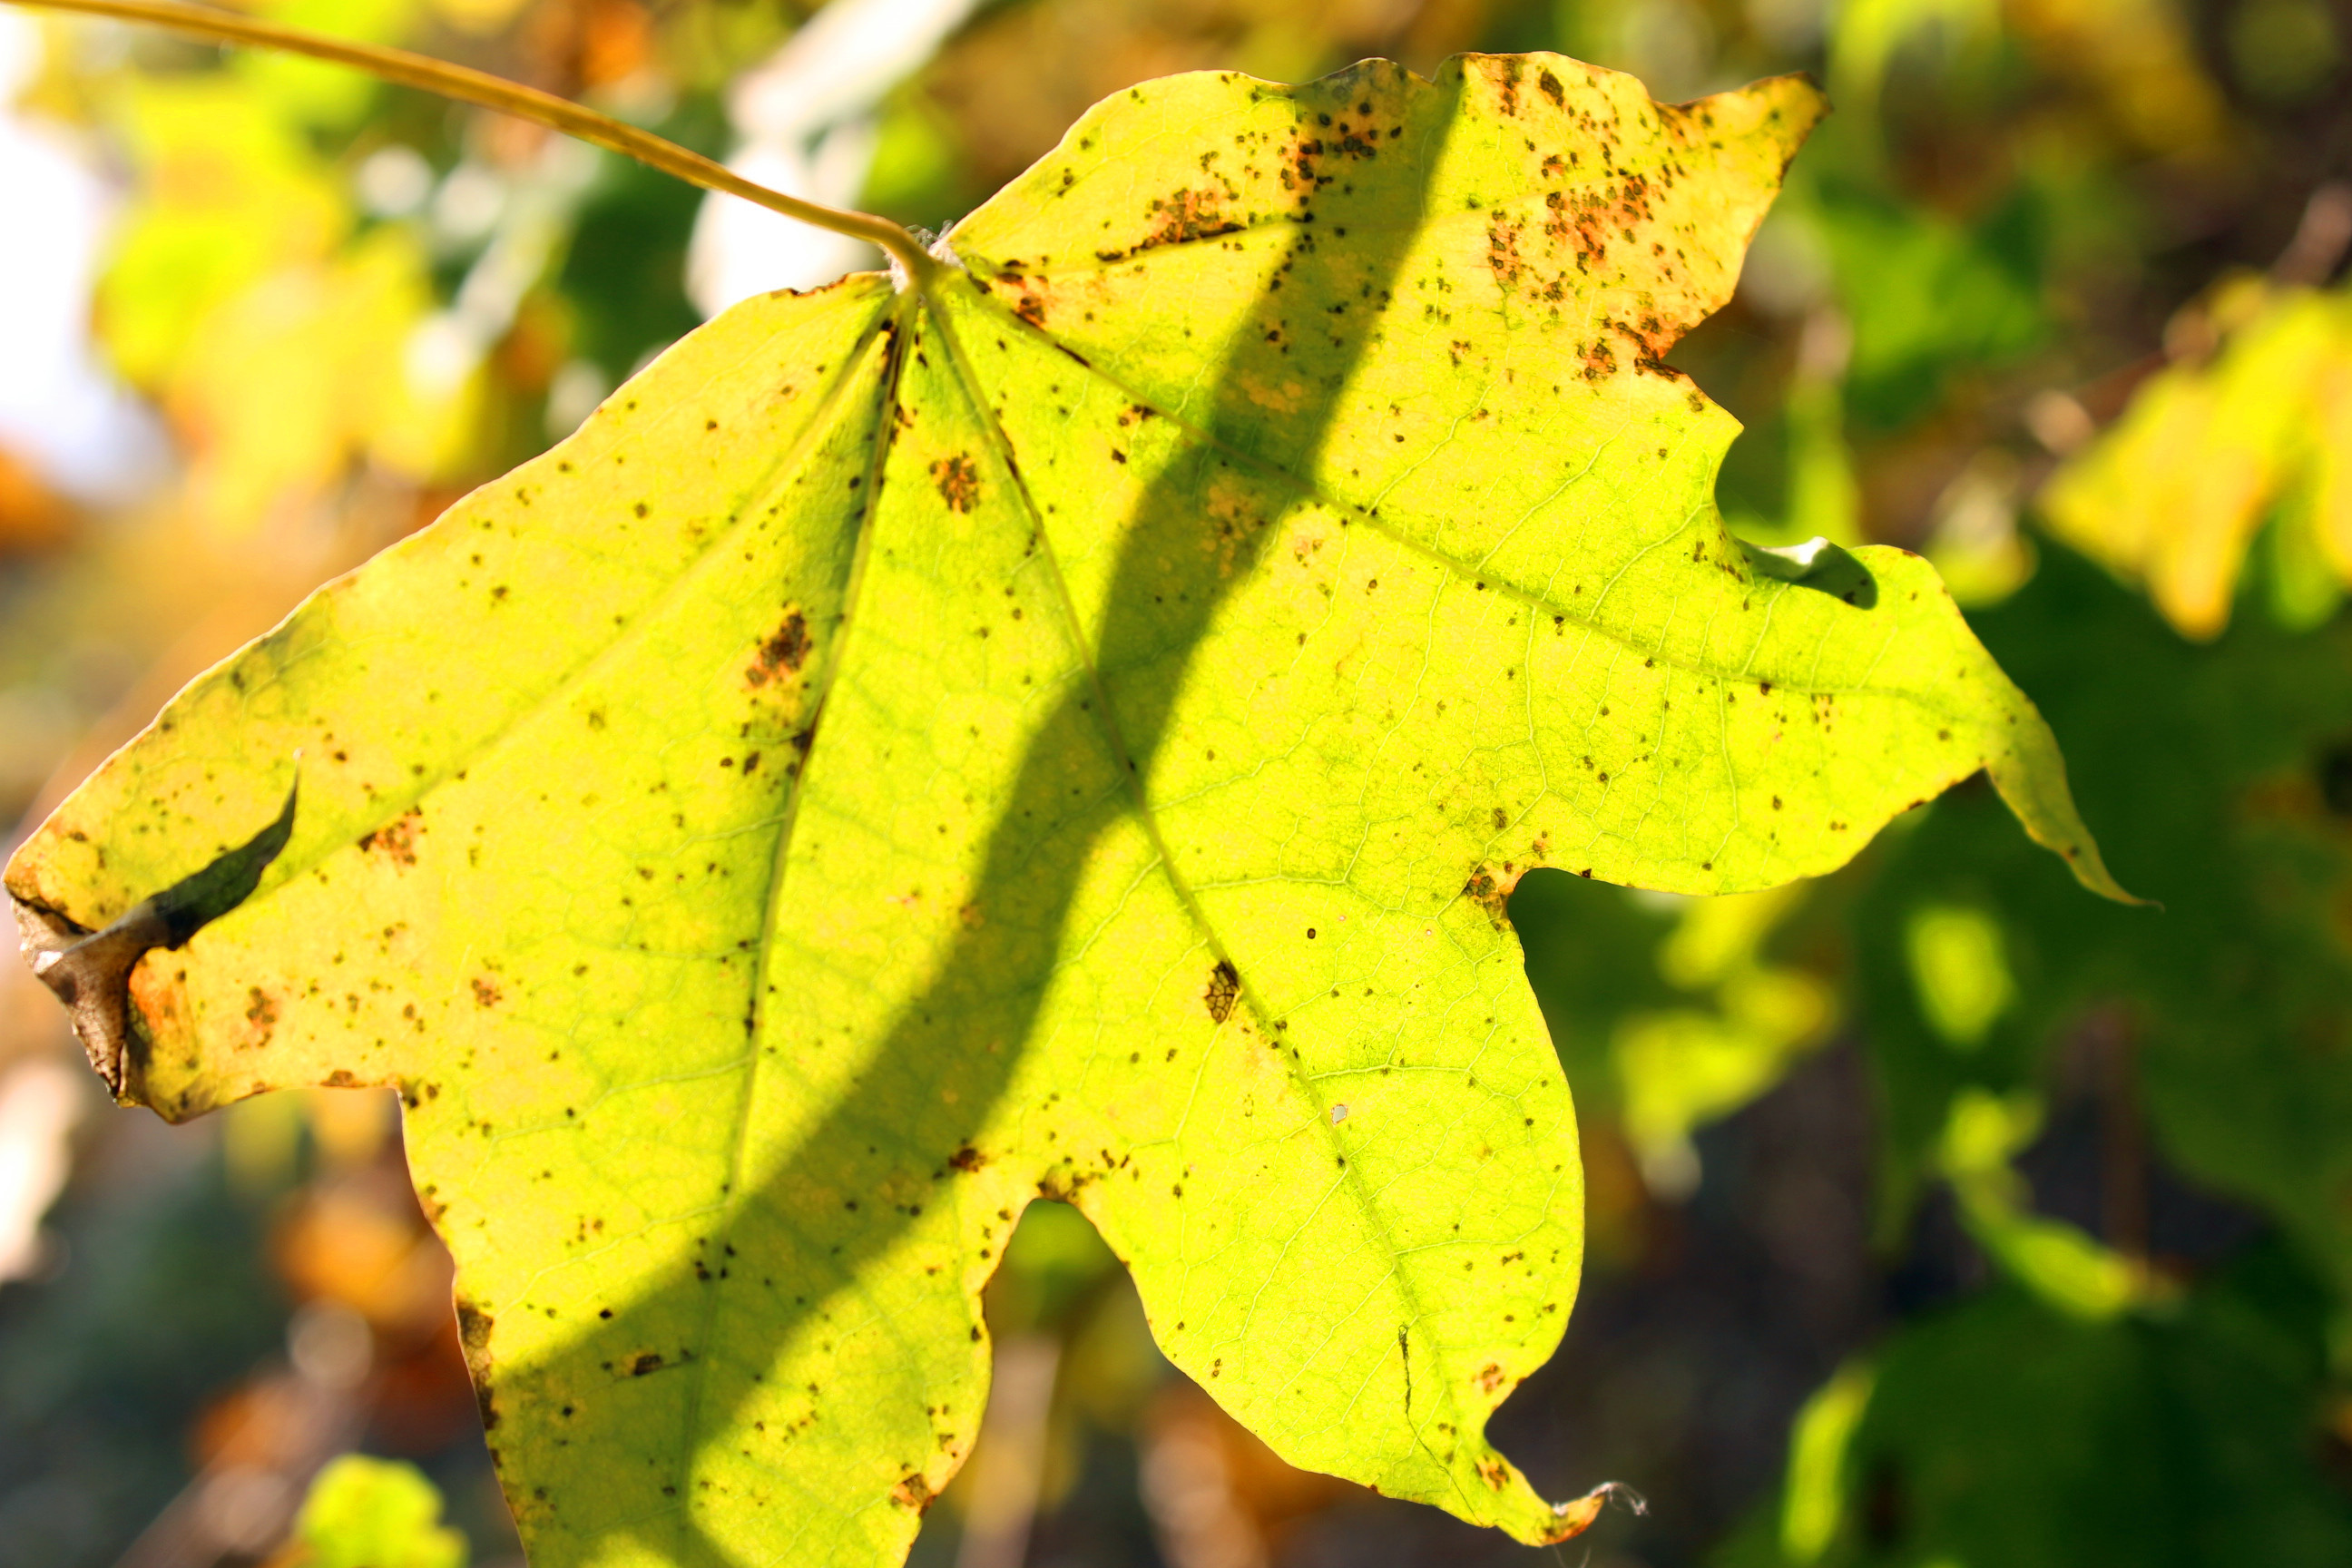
242, 1505
470, 86
1009, 1463
2123, 1142
2320, 239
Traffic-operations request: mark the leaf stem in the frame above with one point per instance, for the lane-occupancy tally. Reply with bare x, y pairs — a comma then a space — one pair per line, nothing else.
471, 86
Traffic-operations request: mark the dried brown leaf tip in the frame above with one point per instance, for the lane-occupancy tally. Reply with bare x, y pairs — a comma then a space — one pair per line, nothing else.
90, 971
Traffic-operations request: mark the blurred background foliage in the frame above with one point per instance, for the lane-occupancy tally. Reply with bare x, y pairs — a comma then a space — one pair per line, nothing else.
1940, 1216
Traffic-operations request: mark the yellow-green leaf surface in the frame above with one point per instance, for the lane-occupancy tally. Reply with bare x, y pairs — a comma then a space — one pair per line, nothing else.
231, 194
363, 1513
1068, 729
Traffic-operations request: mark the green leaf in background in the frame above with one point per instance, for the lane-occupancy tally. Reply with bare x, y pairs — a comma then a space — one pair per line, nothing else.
625, 268
2221, 779
2067, 1268
1819, 1489
1869, 34
312, 91
1669, 1012
374, 1513
1067, 728
1930, 298
2002, 1432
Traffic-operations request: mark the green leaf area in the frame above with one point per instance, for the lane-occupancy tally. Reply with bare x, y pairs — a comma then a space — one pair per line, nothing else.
374, 1513
2222, 777
2003, 1432
2187, 1422
1067, 728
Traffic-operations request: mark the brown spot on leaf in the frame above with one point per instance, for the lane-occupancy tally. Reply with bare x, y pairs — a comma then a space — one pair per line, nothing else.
1503, 250
1186, 215
262, 1012
913, 1492
1651, 339
783, 652
1225, 985
473, 1336
1490, 892
1512, 70
959, 482
486, 992
396, 839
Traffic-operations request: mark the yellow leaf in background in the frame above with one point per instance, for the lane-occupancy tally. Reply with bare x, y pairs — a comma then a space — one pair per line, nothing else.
2141, 58
229, 194
2174, 494
480, 17
286, 382
1720, 938
2327, 486
426, 428
313, 90
278, 345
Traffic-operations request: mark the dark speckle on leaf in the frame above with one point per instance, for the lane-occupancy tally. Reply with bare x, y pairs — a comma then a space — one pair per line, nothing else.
1225, 985
958, 482
782, 651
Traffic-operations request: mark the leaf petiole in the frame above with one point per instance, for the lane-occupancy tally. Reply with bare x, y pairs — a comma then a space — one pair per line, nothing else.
470, 86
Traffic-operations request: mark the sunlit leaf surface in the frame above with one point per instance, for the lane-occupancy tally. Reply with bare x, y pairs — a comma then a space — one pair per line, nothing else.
1068, 729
